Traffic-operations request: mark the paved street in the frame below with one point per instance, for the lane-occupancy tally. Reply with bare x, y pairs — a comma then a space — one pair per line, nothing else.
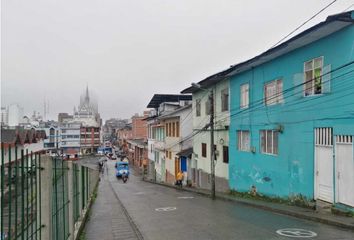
165, 213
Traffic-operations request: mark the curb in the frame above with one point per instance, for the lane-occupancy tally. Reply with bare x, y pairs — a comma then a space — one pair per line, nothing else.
264, 207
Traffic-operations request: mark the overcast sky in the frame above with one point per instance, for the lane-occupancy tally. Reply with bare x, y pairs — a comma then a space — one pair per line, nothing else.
128, 50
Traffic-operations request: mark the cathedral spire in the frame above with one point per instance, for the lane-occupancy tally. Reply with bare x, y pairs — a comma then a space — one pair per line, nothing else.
87, 97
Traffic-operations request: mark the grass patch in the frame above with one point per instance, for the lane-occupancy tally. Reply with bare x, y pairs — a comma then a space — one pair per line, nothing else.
82, 235
295, 200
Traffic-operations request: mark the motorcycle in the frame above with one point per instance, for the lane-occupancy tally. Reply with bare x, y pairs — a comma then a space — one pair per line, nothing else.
124, 177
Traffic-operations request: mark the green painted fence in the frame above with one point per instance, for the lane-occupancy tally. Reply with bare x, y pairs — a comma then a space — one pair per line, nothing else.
65, 199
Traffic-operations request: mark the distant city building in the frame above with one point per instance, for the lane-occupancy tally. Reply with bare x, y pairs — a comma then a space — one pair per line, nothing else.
4, 117
52, 130
87, 112
80, 132
64, 117
70, 139
15, 115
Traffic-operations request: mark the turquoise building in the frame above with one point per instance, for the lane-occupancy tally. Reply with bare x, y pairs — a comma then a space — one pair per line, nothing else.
292, 116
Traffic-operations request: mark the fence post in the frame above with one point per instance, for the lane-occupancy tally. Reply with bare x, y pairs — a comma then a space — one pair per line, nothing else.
70, 199
46, 196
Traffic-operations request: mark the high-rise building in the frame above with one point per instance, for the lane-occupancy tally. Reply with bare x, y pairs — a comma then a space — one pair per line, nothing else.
4, 116
15, 115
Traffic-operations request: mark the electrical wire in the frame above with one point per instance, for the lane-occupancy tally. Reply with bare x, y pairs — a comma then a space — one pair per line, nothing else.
301, 25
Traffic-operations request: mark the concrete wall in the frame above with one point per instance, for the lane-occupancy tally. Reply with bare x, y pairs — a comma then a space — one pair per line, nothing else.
291, 172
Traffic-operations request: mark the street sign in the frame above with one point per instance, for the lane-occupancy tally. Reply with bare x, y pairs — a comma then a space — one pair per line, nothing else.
296, 233
165, 209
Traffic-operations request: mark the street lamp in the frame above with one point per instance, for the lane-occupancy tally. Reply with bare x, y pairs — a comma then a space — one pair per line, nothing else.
212, 149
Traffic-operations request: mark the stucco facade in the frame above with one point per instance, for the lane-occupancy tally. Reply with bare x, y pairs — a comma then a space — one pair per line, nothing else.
221, 138
296, 119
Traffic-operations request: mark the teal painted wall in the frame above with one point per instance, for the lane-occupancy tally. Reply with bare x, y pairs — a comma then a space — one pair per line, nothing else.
291, 172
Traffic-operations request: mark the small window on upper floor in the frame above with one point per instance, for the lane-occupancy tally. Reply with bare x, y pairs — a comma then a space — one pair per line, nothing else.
207, 107
225, 100
244, 96
273, 92
204, 150
197, 107
313, 76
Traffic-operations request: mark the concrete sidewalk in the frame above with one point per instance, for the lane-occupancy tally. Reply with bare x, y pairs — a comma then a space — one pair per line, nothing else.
108, 218
299, 212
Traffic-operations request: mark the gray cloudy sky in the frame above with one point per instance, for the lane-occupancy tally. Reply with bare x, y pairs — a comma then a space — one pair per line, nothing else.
127, 50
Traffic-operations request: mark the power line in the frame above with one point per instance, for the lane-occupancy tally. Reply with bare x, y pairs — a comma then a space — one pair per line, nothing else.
303, 23
259, 103
256, 103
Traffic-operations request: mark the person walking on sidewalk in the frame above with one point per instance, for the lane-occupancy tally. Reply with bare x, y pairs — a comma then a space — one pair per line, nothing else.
179, 178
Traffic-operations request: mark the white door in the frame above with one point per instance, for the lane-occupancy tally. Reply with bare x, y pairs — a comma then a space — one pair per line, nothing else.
345, 170
324, 164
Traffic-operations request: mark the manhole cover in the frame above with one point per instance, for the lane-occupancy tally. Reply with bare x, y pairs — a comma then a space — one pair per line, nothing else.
296, 233
165, 209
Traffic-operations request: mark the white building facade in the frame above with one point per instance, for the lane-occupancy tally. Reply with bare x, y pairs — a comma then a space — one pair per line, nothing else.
201, 160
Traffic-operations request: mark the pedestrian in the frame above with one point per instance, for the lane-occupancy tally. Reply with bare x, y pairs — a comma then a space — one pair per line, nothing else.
179, 178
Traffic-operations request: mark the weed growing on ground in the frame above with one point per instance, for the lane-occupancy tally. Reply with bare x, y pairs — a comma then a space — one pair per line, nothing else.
295, 200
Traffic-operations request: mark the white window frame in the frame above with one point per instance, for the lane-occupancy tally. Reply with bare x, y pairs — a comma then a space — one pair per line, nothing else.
244, 140
313, 68
244, 95
225, 102
272, 149
273, 92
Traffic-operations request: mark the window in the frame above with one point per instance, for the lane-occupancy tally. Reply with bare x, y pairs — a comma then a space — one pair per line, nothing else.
215, 151
177, 129
173, 129
207, 107
225, 100
273, 92
243, 141
313, 76
244, 101
269, 142
197, 107
225, 154
204, 150
169, 129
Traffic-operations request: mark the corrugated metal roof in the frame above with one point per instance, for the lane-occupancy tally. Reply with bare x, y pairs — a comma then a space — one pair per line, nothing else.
157, 99
332, 24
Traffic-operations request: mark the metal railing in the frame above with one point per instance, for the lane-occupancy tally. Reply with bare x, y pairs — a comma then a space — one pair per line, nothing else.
20, 194
50, 209
60, 200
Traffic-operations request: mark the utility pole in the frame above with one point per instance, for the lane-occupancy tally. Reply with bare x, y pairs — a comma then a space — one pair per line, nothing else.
212, 149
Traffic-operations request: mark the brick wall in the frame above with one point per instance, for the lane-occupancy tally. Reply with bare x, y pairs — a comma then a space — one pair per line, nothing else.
139, 127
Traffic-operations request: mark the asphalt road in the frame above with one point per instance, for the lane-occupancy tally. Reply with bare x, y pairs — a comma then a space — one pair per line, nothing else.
165, 213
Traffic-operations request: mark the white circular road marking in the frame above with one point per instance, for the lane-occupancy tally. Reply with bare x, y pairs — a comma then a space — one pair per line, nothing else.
139, 193
296, 233
185, 197
165, 209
